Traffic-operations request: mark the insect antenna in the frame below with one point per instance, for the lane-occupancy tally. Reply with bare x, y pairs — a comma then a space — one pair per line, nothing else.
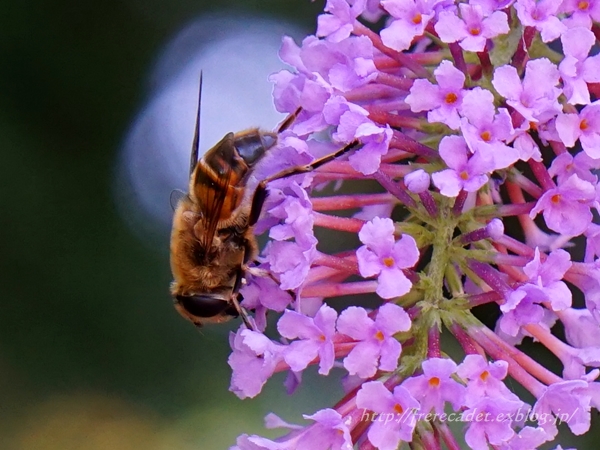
196, 142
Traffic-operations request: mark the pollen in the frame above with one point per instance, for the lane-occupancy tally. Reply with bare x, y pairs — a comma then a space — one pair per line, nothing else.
486, 136
475, 31
583, 125
484, 375
451, 98
388, 261
398, 408
379, 336
417, 19
555, 198
464, 175
434, 382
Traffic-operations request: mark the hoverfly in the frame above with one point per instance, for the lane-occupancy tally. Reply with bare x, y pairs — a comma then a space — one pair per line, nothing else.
212, 240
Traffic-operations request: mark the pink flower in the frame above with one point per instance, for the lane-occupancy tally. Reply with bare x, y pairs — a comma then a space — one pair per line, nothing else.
377, 347
442, 101
584, 127
566, 208
473, 28
253, 361
315, 338
383, 256
411, 18
541, 15
535, 98
465, 173
436, 386
397, 406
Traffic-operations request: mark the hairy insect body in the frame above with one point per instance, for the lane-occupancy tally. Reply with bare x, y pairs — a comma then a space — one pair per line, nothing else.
212, 238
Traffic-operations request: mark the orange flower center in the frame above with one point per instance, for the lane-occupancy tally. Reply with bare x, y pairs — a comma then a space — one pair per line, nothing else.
434, 382
379, 336
583, 125
398, 408
475, 31
388, 261
451, 97
486, 136
484, 375
555, 198
583, 5
417, 19
464, 175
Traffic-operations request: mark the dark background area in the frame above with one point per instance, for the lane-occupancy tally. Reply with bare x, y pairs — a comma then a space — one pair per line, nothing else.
92, 353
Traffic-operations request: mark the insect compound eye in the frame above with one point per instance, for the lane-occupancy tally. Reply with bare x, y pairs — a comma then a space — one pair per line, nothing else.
252, 146
206, 305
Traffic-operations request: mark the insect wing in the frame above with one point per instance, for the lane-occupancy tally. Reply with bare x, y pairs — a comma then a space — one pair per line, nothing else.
176, 196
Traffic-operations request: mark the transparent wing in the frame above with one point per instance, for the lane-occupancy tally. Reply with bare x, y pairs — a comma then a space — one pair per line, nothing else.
175, 198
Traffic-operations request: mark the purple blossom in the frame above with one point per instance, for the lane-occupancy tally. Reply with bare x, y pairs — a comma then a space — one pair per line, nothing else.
485, 130
567, 399
582, 13
541, 15
253, 361
576, 69
565, 165
296, 212
330, 432
397, 406
465, 173
436, 386
375, 140
473, 28
338, 25
376, 346
383, 256
290, 261
584, 127
544, 286
262, 294
410, 19
547, 277
566, 208
489, 6
512, 154
297, 90
315, 338
484, 378
417, 181
245, 442
442, 100
490, 422
528, 437
522, 307
342, 65
535, 98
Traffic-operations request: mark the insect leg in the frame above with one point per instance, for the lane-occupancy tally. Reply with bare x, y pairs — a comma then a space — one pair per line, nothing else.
260, 194
236, 304
235, 294
289, 120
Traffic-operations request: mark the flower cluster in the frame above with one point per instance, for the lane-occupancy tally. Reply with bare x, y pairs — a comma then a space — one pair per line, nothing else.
467, 120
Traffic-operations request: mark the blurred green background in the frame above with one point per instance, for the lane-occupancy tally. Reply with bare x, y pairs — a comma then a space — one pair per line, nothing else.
92, 353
